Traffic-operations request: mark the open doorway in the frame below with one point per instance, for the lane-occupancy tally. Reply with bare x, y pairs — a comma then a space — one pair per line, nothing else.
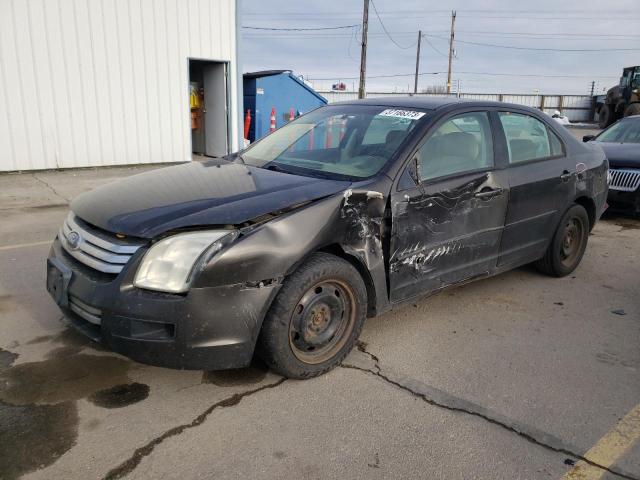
209, 101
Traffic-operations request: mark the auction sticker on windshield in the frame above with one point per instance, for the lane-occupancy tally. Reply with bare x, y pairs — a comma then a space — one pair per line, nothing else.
392, 112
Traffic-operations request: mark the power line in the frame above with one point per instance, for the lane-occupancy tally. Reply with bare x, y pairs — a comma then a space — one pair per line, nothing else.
495, 74
538, 75
538, 34
541, 49
486, 14
433, 47
376, 76
385, 29
300, 29
448, 12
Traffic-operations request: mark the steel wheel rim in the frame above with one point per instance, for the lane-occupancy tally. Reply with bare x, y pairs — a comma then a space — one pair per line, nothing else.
572, 239
322, 321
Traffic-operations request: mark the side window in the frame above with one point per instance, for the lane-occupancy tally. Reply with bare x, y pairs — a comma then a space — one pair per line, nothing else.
556, 144
528, 138
462, 143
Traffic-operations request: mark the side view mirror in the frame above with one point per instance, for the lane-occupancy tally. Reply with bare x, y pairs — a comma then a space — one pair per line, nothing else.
588, 138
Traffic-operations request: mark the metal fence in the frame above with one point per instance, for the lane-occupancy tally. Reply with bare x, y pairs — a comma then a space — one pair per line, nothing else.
576, 107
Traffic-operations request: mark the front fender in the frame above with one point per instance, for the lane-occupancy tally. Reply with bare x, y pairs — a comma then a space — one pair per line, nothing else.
273, 250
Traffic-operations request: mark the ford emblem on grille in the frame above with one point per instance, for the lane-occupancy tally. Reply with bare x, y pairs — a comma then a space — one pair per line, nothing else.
74, 240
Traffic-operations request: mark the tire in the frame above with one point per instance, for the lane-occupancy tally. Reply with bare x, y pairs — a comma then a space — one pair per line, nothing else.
633, 109
606, 116
568, 243
315, 319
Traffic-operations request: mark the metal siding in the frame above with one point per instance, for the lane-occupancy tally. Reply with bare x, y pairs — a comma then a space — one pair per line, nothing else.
87, 83
576, 107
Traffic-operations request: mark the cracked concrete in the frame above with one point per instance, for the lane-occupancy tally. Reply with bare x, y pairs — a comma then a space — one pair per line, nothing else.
444, 400
53, 190
132, 462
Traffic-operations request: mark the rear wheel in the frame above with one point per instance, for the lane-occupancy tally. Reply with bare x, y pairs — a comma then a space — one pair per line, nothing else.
316, 318
606, 116
633, 109
568, 244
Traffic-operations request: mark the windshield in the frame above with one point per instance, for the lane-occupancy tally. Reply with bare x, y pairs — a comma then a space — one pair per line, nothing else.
339, 142
625, 131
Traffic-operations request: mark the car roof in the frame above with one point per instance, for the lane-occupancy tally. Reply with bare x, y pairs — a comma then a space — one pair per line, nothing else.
429, 102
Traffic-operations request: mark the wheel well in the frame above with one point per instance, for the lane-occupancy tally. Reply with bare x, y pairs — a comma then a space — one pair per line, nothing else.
337, 250
590, 206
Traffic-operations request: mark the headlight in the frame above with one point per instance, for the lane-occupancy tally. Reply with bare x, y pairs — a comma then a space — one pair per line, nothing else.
169, 264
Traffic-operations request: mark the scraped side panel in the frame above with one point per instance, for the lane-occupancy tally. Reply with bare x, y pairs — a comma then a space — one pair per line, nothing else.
443, 234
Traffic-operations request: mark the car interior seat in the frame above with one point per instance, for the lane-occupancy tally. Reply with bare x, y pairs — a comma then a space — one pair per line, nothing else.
450, 153
522, 149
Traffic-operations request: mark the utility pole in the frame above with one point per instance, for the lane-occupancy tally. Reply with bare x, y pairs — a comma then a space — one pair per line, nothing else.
415, 85
453, 26
363, 49
593, 87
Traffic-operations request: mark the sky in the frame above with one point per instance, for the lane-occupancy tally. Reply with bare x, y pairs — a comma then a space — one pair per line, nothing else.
328, 56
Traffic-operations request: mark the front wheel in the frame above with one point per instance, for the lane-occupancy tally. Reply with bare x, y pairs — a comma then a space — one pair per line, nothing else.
606, 116
568, 244
316, 318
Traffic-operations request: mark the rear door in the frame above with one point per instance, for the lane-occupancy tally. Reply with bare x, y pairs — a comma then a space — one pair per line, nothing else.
541, 181
446, 228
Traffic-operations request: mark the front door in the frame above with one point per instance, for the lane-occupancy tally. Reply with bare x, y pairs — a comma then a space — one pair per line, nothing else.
447, 227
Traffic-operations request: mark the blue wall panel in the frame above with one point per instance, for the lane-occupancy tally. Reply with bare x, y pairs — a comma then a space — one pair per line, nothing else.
282, 91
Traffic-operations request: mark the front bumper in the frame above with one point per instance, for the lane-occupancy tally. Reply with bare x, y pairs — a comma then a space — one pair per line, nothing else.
624, 201
208, 328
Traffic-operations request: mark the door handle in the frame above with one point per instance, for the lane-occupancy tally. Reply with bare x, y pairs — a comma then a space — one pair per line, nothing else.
566, 176
488, 193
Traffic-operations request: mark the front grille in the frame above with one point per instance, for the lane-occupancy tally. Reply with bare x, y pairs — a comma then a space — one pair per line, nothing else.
87, 312
625, 180
95, 248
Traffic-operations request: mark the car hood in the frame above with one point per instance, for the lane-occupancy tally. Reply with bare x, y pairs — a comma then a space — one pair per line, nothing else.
194, 195
622, 155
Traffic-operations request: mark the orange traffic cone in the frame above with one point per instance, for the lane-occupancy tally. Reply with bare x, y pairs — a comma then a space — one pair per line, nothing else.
343, 128
272, 124
247, 123
328, 139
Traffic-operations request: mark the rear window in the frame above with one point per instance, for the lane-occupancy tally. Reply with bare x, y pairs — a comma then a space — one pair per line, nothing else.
528, 138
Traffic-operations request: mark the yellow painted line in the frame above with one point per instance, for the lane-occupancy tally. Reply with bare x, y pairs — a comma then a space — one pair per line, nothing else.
609, 448
24, 245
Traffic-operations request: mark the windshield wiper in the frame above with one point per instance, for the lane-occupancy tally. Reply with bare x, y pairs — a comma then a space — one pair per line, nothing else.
277, 168
306, 172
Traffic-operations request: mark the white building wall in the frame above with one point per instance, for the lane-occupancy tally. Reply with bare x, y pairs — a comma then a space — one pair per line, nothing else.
106, 82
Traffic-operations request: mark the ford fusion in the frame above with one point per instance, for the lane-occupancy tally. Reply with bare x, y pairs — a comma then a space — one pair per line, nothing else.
353, 209
621, 144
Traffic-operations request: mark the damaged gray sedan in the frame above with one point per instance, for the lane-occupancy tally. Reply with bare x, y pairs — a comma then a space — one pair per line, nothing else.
342, 214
